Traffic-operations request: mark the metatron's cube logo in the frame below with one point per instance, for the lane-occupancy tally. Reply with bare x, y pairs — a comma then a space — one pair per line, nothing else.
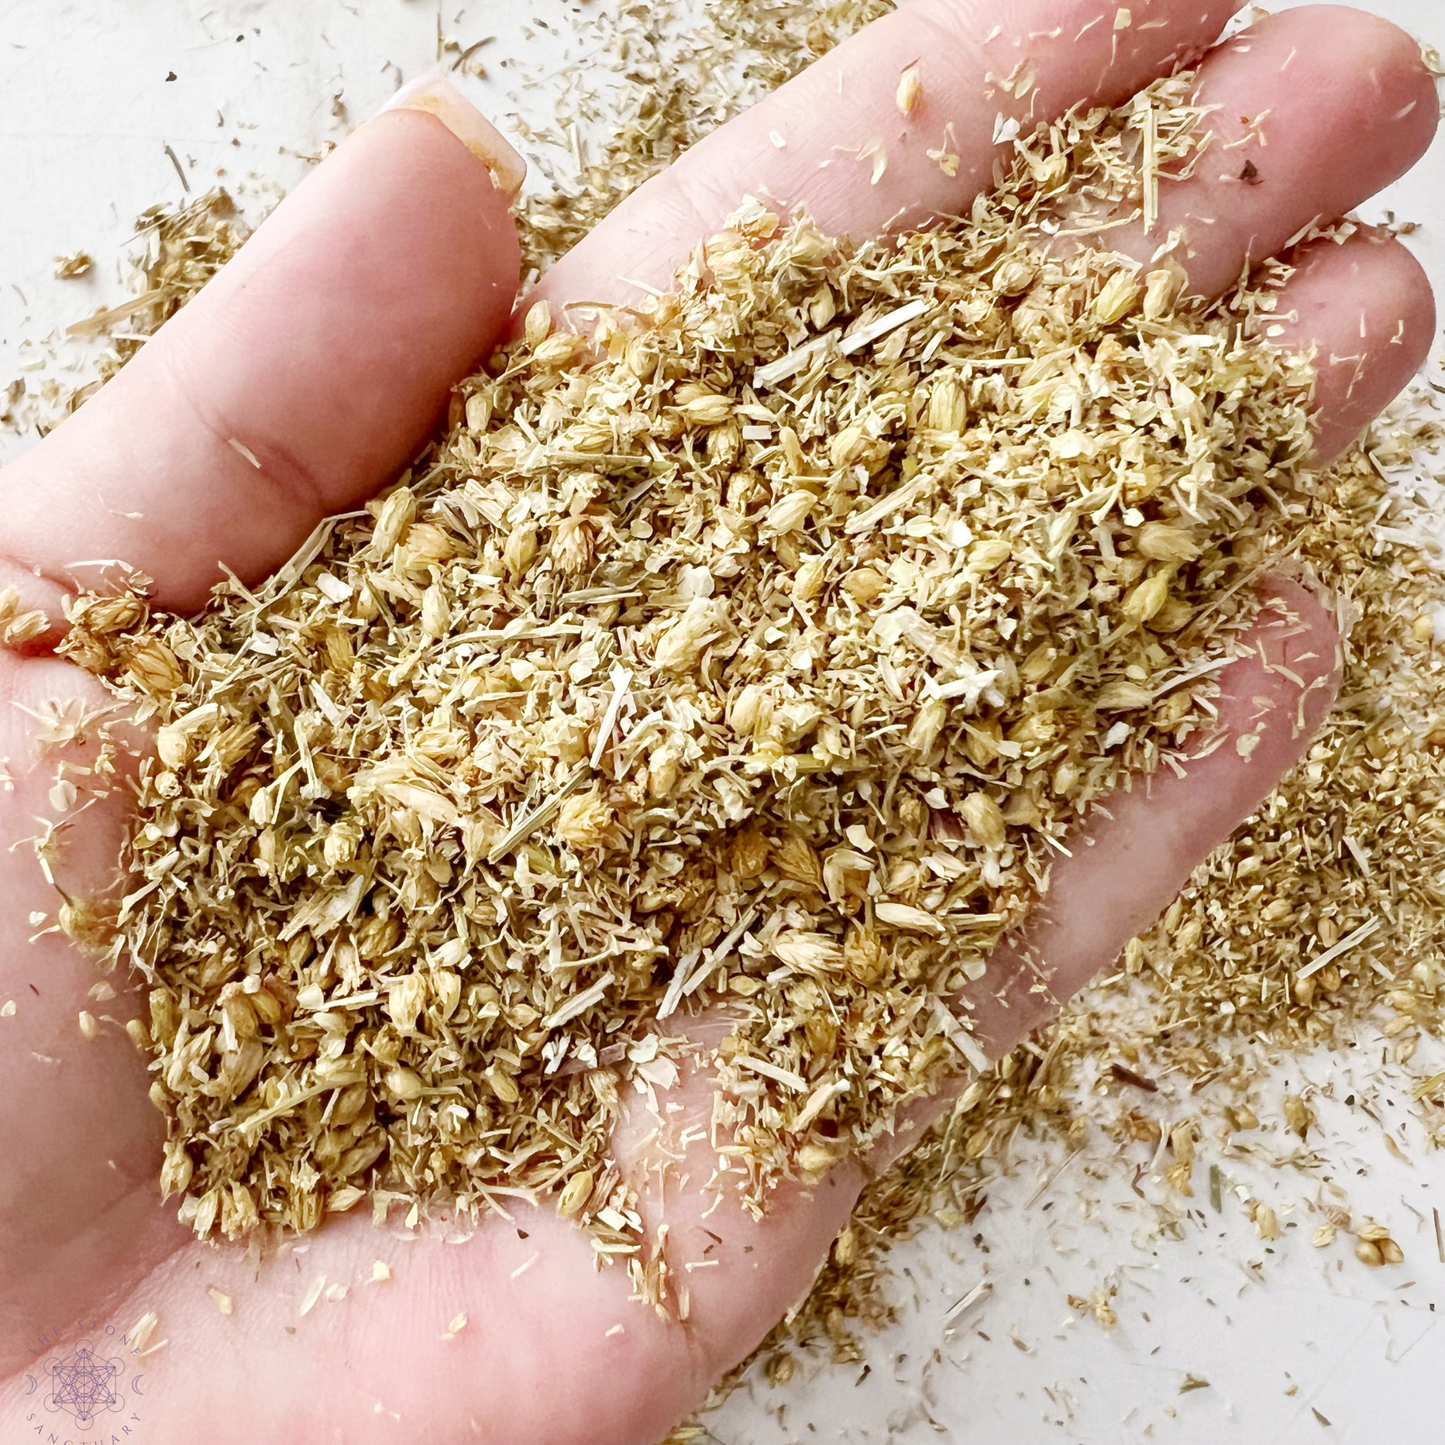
84, 1385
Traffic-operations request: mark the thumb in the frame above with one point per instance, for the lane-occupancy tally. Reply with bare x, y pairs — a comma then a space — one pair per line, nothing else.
304, 375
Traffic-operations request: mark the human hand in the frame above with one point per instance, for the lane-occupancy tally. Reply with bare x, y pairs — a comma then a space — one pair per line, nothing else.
330, 400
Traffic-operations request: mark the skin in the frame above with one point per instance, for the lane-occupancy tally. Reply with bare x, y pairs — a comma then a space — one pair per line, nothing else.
327, 348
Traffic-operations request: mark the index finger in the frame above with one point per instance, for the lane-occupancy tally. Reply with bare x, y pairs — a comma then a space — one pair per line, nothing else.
843, 142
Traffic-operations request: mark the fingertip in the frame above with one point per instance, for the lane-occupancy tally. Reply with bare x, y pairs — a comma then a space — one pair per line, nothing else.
434, 95
298, 382
1366, 309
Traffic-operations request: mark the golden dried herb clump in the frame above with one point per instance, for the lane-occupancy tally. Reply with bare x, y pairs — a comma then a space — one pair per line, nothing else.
755, 656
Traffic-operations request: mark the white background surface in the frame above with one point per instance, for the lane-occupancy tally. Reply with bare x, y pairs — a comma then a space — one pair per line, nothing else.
85, 112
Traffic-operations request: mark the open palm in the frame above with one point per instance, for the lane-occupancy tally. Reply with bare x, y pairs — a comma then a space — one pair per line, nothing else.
322, 354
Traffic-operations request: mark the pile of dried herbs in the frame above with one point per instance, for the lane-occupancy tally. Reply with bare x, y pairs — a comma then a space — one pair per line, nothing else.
755, 654
1318, 922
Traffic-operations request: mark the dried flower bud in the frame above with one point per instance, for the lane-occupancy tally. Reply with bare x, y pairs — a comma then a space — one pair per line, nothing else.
985, 818
789, 511
176, 1169
585, 821
377, 936
447, 991
928, 722
238, 1010
814, 1161
154, 667
1163, 543
1173, 615
847, 446
479, 411
404, 1084
746, 709
984, 556
341, 843
436, 613
1161, 291
266, 1006
1117, 298
398, 511
238, 1210
173, 745
1368, 1252
503, 1085
406, 1000
575, 1194
1147, 598
865, 585
707, 410
538, 325
725, 443
948, 405
792, 450
702, 624
102, 616
1014, 276
664, 769
165, 1015
207, 1209
1121, 695
424, 545
558, 349
574, 549
521, 548
808, 582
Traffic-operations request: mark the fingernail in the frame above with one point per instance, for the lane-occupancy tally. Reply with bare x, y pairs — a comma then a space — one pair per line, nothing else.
437, 96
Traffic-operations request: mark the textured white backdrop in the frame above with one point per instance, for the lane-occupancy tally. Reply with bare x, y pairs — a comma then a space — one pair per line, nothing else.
86, 110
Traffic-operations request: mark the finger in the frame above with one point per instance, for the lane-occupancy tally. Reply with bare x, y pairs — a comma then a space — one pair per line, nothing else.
1138, 850
1126, 865
299, 381
1312, 111
1365, 310
78, 1134
816, 143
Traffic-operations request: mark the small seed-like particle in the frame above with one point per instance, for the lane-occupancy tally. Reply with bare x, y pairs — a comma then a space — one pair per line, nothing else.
1368, 1252
986, 819
88, 1025
910, 90
575, 1194
1147, 598
1297, 1114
